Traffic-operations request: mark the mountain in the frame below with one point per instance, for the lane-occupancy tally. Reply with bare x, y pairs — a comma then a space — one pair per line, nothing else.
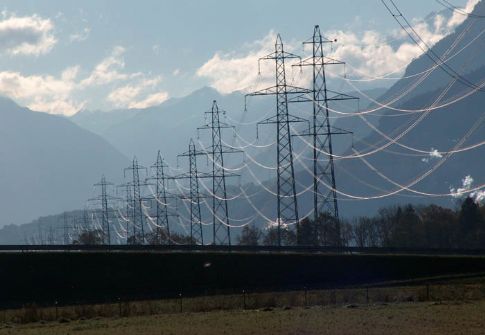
49, 164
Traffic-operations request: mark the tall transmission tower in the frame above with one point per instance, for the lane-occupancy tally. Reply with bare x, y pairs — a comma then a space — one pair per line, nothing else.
196, 232
65, 229
221, 229
104, 199
324, 197
136, 215
161, 201
287, 204
128, 212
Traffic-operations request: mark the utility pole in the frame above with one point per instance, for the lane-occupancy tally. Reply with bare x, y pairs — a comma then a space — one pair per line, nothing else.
324, 197
161, 201
221, 228
287, 204
105, 209
137, 217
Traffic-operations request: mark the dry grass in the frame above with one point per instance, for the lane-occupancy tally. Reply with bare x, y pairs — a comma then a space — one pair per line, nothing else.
452, 291
400, 318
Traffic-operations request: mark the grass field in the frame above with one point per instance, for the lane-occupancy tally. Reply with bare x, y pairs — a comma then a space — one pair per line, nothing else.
396, 318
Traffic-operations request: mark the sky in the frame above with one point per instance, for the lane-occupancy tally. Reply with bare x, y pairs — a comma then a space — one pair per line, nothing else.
62, 56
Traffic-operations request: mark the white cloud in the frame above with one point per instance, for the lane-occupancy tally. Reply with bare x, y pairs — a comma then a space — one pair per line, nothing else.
109, 70
80, 36
151, 100
60, 94
229, 72
367, 54
42, 92
465, 190
435, 153
28, 35
458, 18
138, 95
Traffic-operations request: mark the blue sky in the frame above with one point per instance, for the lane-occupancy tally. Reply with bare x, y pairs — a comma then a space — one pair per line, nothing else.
61, 56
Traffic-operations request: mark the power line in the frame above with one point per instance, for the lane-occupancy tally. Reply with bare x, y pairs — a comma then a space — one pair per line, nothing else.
458, 10
428, 51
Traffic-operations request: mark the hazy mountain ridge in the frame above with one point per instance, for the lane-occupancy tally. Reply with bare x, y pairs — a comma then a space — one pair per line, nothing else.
49, 163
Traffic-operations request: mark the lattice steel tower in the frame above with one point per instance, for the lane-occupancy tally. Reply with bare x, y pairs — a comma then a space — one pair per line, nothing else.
324, 197
104, 198
161, 200
221, 229
196, 233
287, 204
137, 217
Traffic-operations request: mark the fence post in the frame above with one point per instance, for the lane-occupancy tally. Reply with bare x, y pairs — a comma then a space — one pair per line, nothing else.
180, 298
427, 292
244, 299
57, 311
306, 297
119, 306
367, 295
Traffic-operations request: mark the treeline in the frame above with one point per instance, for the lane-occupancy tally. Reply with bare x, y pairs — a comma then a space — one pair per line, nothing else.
397, 226
405, 226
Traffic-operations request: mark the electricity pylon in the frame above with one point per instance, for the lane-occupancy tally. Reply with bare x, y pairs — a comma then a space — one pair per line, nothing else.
161, 201
221, 228
128, 212
104, 199
287, 204
136, 215
324, 184
196, 232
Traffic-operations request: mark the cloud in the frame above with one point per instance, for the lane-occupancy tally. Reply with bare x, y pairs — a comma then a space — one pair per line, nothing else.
138, 95
109, 70
80, 36
61, 94
151, 100
42, 92
458, 18
28, 35
367, 54
465, 190
434, 153
229, 72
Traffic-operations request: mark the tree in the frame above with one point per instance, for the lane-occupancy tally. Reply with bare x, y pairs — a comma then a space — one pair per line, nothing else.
250, 235
328, 230
409, 229
90, 237
307, 234
365, 232
440, 227
158, 237
288, 237
470, 222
